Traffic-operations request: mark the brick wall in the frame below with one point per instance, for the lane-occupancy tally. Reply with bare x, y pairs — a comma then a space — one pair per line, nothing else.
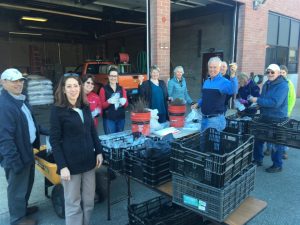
252, 32
160, 11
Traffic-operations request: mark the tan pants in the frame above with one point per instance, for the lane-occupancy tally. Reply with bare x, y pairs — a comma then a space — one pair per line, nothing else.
79, 195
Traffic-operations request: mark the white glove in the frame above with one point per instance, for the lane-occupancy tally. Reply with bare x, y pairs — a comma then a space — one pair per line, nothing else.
112, 100
95, 112
122, 101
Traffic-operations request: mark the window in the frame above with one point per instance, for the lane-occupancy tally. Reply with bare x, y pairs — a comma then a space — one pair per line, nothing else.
283, 41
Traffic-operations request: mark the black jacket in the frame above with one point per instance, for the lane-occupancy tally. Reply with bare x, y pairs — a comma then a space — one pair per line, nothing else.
75, 144
15, 147
145, 91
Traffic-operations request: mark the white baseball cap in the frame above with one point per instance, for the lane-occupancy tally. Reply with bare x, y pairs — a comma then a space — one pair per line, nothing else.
273, 67
12, 74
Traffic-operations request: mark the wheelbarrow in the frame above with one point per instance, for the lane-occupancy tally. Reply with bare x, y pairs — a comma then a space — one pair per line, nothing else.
45, 164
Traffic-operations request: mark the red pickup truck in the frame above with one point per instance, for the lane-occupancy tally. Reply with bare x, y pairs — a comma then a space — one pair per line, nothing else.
100, 68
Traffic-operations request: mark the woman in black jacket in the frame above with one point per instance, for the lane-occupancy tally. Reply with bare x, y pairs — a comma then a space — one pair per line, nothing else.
76, 148
155, 92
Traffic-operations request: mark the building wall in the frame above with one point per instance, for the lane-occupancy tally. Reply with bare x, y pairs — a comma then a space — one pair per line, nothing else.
216, 32
252, 33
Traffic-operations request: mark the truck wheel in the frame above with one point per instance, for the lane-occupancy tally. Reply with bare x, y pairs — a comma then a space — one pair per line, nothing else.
58, 200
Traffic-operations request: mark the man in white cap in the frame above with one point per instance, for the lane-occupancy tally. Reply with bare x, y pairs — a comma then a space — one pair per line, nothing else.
273, 104
19, 134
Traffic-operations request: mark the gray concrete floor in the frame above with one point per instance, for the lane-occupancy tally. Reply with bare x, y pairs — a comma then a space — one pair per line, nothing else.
280, 191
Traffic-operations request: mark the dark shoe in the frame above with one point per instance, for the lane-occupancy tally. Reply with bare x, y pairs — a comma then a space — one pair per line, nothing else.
257, 163
267, 152
274, 169
31, 209
27, 221
285, 156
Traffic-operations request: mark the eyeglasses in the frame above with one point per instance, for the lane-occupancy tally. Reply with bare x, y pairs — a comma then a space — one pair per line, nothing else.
115, 76
71, 75
88, 82
270, 71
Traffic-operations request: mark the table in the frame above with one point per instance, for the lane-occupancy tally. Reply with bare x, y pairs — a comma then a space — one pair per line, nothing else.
243, 214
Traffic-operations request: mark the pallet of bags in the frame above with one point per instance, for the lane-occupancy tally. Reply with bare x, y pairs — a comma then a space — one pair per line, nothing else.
39, 90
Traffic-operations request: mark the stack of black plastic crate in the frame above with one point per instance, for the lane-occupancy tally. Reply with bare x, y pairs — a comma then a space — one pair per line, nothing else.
212, 172
161, 211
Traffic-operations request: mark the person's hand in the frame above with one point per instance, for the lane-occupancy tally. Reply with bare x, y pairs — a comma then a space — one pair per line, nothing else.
65, 174
194, 106
122, 101
95, 112
253, 99
99, 160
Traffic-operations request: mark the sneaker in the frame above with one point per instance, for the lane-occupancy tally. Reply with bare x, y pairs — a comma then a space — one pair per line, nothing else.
285, 156
267, 152
257, 163
274, 169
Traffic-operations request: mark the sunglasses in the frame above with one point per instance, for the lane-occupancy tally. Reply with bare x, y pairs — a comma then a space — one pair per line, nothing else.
88, 82
71, 75
270, 71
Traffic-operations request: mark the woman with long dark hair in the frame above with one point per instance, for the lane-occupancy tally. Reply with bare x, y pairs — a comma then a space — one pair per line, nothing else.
76, 148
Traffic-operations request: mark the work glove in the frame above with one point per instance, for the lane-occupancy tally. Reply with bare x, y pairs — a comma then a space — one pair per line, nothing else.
112, 100
95, 112
122, 101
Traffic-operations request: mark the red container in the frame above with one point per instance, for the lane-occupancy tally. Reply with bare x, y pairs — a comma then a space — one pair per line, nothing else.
140, 122
176, 114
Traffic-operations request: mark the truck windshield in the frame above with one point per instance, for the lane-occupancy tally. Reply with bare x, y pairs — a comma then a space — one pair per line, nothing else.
98, 68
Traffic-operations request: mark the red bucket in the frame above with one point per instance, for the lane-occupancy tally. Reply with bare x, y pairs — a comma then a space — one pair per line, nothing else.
176, 114
140, 122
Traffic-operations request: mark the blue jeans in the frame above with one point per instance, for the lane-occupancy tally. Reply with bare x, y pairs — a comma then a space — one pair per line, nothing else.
269, 147
218, 122
276, 152
113, 126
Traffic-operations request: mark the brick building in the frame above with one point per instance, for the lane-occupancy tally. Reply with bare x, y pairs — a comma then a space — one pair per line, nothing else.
254, 33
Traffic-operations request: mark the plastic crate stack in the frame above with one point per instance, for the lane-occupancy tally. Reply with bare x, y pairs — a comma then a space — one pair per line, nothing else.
285, 133
114, 146
161, 211
150, 171
212, 172
238, 125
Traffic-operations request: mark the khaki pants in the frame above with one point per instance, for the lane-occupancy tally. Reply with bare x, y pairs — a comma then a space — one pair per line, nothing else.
79, 195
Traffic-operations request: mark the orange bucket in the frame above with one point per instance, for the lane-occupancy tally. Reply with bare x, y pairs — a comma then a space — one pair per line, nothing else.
140, 122
176, 114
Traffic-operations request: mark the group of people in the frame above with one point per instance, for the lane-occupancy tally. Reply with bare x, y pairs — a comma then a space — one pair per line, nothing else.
74, 118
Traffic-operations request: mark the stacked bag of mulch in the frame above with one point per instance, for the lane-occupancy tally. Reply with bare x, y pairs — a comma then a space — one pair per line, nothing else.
39, 90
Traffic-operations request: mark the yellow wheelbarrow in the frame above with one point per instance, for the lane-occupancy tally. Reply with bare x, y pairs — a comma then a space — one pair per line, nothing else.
45, 164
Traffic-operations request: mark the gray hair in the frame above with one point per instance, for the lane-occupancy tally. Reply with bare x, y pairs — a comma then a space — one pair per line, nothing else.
215, 59
224, 63
178, 68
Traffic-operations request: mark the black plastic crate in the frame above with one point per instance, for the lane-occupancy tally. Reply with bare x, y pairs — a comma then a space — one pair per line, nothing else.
198, 158
161, 211
285, 133
151, 171
237, 125
215, 203
115, 155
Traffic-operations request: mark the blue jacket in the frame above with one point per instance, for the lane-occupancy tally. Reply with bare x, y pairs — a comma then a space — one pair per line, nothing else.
214, 94
273, 100
178, 89
16, 151
75, 144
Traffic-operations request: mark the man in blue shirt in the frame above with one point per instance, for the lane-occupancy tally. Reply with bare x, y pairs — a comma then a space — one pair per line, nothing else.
214, 92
